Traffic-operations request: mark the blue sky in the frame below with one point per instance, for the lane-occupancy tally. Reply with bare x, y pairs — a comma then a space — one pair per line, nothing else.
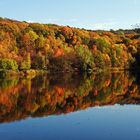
89, 14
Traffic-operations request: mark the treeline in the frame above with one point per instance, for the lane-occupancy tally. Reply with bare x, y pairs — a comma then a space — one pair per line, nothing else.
44, 96
25, 46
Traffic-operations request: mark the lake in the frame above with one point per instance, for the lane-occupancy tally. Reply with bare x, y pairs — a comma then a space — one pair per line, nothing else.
70, 107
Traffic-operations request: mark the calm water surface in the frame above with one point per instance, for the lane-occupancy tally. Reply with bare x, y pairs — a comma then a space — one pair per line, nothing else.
70, 107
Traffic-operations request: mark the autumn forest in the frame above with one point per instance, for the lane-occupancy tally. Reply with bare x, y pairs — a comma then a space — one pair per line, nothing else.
32, 46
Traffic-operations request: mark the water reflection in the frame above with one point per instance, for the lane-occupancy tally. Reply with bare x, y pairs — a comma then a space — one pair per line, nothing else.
52, 95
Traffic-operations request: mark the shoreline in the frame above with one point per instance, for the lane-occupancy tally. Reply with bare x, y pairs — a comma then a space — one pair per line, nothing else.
33, 73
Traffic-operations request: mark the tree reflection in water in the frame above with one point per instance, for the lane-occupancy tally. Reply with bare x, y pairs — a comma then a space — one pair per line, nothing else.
54, 95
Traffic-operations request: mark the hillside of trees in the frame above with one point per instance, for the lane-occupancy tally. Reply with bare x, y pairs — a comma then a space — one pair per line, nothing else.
25, 46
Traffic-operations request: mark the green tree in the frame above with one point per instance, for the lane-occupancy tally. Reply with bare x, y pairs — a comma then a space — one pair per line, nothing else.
103, 45
8, 64
85, 58
99, 59
39, 44
26, 64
